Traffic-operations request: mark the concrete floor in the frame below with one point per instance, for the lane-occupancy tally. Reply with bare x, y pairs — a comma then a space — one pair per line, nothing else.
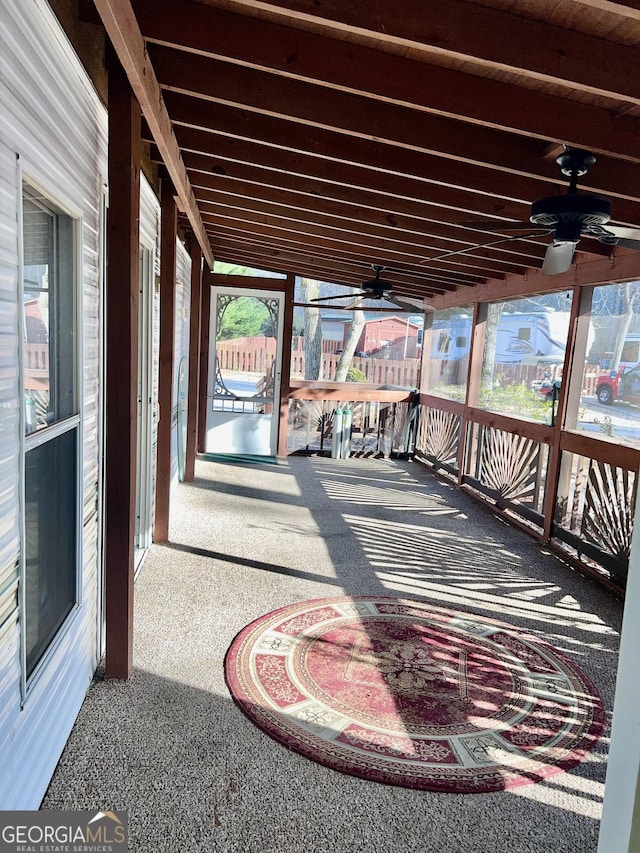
195, 775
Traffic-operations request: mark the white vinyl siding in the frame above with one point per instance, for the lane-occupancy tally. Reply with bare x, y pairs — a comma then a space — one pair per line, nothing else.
54, 122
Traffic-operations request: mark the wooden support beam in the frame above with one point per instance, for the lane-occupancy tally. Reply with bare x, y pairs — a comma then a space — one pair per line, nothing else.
369, 242
241, 255
347, 219
120, 22
478, 35
474, 383
445, 271
363, 118
281, 132
360, 69
204, 358
440, 208
122, 370
195, 320
286, 256
169, 219
624, 265
285, 381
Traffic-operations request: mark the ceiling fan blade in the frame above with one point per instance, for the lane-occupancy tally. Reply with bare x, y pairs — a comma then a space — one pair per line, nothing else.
496, 225
622, 232
411, 306
628, 244
623, 236
337, 296
356, 306
530, 233
558, 258
406, 300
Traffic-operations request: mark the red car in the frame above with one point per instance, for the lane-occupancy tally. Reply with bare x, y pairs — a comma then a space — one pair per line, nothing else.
623, 385
545, 388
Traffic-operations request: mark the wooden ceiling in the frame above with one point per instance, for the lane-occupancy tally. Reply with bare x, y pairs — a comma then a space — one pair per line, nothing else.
323, 136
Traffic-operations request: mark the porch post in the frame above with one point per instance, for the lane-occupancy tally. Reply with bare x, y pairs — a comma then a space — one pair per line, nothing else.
285, 378
557, 481
474, 378
620, 826
194, 345
427, 346
168, 228
204, 359
121, 369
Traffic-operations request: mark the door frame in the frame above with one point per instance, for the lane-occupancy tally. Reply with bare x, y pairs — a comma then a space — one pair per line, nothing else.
258, 292
144, 466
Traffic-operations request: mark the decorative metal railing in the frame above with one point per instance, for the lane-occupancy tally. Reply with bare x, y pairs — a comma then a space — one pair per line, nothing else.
590, 490
509, 468
597, 490
438, 436
380, 422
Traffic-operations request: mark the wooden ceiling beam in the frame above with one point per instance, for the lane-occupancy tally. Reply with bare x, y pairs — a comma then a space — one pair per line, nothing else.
625, 8
297, 139
370, 246
359, 69
349, 218
235, 157
459, 205
488, 38
450, 269
352, 115
297, 259
122, 28
447, 271
371, 249
359, 263
276, 191
241, 256
357, 205
478, 261
332, 248
625, 266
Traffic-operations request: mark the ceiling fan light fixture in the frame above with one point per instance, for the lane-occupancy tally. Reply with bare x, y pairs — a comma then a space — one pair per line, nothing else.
559, 257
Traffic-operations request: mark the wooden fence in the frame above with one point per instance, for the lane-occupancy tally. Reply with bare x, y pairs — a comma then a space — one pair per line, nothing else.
255, 355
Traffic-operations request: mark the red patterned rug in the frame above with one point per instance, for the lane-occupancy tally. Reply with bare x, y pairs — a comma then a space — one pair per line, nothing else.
412, 695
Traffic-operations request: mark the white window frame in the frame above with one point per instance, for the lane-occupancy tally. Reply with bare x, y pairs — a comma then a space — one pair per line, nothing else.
32, 177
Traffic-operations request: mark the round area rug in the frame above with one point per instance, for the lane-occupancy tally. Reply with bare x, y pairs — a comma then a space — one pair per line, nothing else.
407, 694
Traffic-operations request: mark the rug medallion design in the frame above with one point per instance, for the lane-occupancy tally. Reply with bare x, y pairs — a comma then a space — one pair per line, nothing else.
413, 695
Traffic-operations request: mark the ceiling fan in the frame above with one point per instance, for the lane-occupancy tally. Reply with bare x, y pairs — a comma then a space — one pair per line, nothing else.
377, 289
568, 217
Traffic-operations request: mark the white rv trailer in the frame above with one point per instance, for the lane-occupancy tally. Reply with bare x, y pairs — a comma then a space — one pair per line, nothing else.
521, 337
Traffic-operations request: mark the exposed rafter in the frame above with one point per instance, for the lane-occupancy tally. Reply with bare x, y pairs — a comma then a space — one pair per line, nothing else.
360, 69
321, 138
122, 27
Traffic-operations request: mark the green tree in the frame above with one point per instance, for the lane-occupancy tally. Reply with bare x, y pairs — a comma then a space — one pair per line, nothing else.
244, 317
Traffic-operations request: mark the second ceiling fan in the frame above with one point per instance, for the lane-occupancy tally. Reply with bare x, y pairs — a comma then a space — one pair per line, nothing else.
378, 290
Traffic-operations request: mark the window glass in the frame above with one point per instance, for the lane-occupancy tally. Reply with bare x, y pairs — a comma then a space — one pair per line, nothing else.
50, 546
610, 401
49, 323
448, 364
331, 344
236, 269
49, 327
524, 354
